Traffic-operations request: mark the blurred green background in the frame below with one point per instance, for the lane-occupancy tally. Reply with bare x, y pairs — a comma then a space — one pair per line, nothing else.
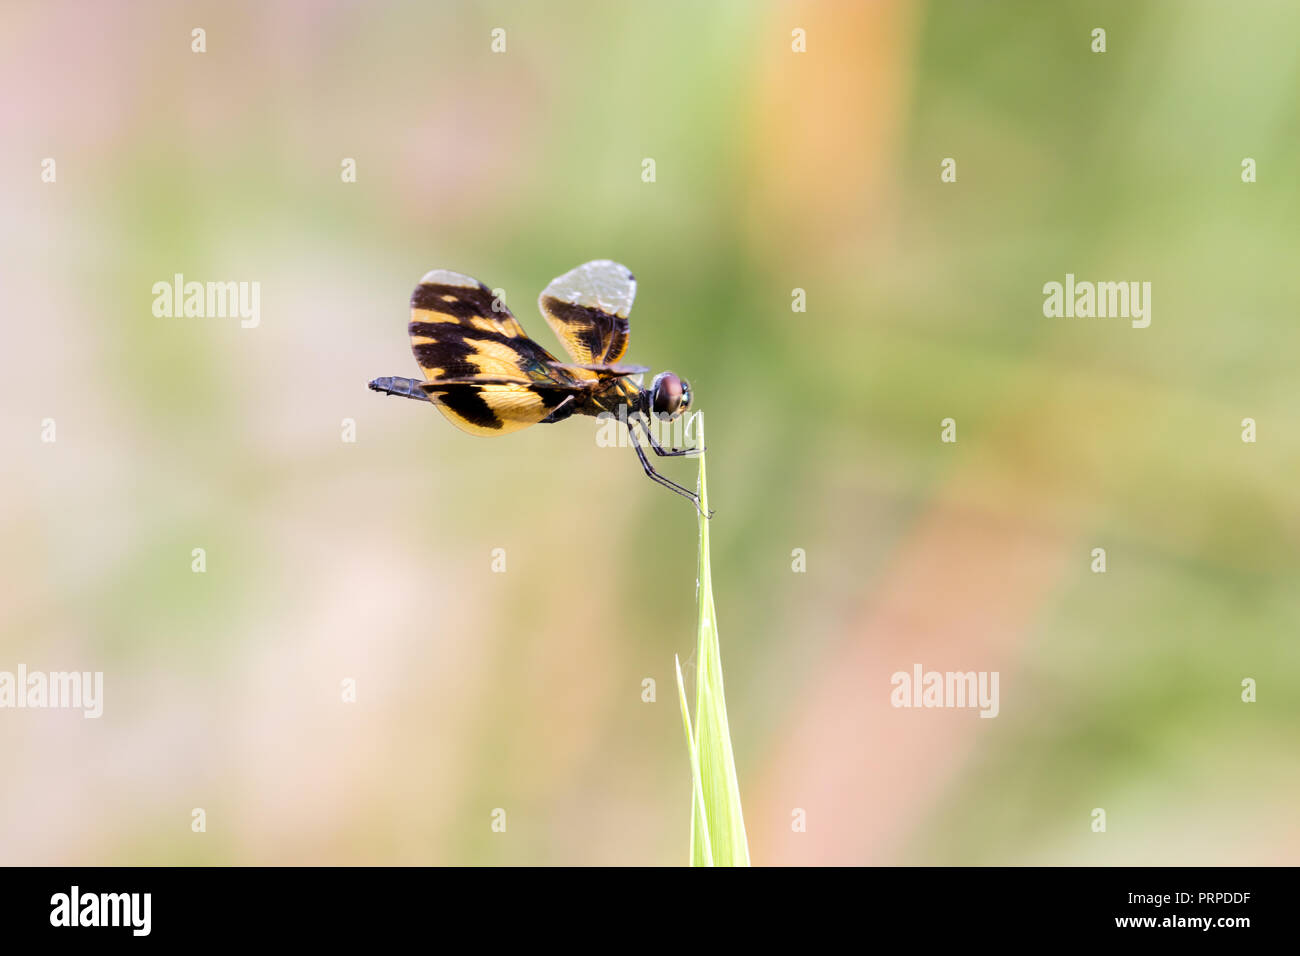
775, 170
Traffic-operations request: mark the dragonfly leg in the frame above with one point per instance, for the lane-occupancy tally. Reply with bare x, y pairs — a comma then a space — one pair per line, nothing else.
659, 449
560, 412
660, 479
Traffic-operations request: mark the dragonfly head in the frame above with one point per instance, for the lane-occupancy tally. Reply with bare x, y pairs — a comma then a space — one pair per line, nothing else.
669, 395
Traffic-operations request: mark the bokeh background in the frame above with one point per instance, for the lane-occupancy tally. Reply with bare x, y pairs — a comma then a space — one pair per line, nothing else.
776, 170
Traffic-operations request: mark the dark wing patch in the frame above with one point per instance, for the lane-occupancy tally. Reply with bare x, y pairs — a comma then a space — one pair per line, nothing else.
495, 409
459, 330
588, 309
484, 374
463, 406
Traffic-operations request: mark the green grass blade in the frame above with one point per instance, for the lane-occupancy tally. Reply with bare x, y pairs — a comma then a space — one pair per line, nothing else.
721, 827
701, 851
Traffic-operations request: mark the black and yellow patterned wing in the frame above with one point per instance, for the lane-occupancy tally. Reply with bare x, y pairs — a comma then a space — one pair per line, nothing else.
485, 375
496, 408
588, 309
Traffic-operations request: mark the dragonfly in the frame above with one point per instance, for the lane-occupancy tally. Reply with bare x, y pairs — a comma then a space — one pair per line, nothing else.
487, 377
